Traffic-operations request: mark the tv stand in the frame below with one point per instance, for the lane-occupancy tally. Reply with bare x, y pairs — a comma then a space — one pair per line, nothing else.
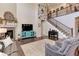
28, 34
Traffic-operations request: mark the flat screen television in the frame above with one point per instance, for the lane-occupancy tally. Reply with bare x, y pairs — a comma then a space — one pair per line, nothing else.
27, 27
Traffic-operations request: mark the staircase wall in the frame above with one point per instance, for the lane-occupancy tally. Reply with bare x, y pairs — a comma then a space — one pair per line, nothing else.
47, 26
69, 20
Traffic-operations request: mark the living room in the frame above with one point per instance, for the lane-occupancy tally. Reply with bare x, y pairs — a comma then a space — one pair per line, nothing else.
27, 25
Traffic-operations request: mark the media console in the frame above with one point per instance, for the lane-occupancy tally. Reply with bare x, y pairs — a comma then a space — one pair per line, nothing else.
28, 34
27, 31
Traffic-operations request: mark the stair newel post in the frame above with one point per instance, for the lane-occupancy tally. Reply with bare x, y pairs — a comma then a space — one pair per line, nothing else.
56, 23
72, 32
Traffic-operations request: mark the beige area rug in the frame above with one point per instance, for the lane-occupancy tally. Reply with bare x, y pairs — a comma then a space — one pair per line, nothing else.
36, 48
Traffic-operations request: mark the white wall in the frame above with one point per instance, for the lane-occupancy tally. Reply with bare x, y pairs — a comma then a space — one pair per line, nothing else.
11, 7
7, 7
27, 14
68, 20
37, 22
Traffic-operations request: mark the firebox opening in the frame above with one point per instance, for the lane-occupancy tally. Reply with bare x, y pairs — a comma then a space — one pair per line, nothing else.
9, 33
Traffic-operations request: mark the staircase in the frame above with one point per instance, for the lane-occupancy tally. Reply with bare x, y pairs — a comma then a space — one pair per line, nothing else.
61, 27
65, 11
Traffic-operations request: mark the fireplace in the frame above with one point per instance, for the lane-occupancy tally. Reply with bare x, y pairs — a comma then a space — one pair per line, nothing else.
9, 33
10, 30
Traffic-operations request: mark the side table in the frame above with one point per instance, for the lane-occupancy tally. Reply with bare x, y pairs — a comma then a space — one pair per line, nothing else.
53, 35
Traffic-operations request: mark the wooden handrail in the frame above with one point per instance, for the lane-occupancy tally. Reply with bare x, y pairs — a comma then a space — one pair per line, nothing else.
66, 8
72, 32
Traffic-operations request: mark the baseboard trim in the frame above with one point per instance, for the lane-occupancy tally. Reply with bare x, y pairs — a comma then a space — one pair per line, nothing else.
42, 37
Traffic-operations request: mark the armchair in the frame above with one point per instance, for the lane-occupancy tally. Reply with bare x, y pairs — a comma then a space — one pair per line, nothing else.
65, 47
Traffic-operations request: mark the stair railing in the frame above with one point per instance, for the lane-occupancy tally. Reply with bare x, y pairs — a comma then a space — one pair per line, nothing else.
66, 10
63, 28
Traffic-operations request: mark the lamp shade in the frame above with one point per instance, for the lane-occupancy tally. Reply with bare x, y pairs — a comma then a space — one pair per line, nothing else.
3, 30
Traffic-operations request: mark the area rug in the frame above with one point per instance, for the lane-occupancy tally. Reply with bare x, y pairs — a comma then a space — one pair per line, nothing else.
36, 48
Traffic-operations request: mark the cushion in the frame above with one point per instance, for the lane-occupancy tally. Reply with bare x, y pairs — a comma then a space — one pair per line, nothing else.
67, 49
73, 39
11, 49
59, 44
7, 41
53, 47
64, 46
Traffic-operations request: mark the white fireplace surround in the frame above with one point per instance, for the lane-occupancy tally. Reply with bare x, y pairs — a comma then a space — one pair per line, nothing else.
10, 27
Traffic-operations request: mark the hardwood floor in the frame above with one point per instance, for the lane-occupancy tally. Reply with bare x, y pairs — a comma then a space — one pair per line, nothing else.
20, 52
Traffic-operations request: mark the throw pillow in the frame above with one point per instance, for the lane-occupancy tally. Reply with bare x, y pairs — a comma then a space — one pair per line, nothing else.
7, 41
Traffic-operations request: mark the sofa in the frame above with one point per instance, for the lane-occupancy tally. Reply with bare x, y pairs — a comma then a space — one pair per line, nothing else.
11, 50
8, 47
64, 48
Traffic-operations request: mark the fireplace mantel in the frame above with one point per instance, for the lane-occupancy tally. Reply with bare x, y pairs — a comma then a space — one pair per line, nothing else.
8, 25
